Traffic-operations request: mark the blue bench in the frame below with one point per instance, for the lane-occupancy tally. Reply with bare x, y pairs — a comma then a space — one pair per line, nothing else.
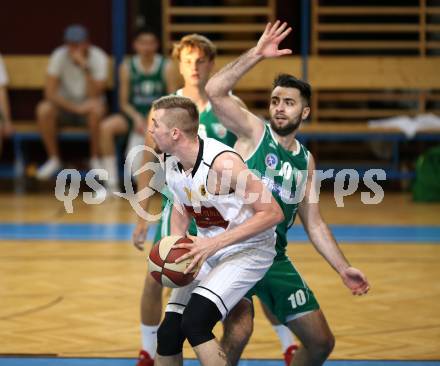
308, 133
25, 132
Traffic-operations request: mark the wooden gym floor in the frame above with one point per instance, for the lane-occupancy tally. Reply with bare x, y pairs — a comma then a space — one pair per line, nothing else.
70, 283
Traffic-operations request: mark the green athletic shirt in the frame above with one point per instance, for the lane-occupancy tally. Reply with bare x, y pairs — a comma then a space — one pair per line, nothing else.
285, 174
146, 87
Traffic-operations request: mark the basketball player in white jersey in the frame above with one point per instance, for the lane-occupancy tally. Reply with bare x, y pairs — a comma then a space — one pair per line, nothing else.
235, 217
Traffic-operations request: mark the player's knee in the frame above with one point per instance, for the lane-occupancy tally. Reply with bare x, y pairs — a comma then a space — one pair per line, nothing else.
327, 345
106, 128
111, 126
152, 288
323, 345
169, 335
44, 110
199, 318
97, 108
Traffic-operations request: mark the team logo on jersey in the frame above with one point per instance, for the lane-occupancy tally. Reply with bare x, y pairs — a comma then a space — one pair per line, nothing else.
195, 196
188, 193
202, 190
219, 130
271, 161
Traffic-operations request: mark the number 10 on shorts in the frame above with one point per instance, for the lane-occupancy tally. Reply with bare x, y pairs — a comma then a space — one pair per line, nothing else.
298, 298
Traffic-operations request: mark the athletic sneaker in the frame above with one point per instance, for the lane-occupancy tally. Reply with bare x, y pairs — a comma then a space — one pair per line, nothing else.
290, 352
48, 169
144, 359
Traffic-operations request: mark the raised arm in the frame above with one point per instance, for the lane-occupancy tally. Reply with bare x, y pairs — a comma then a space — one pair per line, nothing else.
240, 121
324, 242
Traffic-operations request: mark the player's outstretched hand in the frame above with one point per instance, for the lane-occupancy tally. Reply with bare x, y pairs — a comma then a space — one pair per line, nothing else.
139, 234
355, 280
200, 249
269, 41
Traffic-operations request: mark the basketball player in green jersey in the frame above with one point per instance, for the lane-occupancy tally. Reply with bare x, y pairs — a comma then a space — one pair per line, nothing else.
144, 77
287, 168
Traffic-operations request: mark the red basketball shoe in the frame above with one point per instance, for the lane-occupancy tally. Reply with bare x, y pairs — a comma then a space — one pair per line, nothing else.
144, 359
290, 352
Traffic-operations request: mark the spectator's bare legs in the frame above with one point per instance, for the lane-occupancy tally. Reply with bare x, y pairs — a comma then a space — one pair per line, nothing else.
237, 330
47, 114
96, 114
316, 338
110, 128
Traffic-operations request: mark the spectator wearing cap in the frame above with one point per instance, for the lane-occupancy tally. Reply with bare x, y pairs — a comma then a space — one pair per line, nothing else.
74, 94
5, 116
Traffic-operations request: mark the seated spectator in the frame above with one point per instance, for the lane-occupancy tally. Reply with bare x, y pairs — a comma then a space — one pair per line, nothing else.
74, 94
5, 116
144, 77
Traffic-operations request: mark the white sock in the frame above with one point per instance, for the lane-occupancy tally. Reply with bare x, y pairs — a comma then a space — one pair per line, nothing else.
109, 164
285, 336
149, 338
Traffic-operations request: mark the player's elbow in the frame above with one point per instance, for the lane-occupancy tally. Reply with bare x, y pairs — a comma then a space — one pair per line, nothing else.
213, 90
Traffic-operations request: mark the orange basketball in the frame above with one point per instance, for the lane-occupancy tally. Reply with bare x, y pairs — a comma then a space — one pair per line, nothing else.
161, 263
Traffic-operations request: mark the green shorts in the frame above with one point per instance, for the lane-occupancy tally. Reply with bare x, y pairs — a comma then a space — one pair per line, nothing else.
163, 226
284, 292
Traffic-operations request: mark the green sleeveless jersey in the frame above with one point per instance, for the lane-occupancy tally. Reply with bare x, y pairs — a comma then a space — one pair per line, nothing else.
146, 87
284, 173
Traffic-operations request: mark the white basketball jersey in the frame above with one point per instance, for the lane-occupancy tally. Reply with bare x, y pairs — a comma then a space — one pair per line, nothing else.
212, 213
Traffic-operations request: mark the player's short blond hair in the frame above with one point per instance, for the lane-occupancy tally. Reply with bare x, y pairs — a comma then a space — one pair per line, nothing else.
195, 41
182, 113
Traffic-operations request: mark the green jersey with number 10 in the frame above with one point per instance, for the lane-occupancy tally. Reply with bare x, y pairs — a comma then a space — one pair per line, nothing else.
284, 173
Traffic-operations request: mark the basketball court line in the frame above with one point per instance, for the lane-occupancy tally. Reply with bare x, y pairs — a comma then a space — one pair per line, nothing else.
122, 232
55, 361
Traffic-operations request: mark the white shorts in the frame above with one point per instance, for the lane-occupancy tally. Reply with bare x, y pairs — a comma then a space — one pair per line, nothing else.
225, 280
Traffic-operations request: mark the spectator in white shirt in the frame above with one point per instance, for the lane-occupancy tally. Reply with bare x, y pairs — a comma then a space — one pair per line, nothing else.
74, 94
